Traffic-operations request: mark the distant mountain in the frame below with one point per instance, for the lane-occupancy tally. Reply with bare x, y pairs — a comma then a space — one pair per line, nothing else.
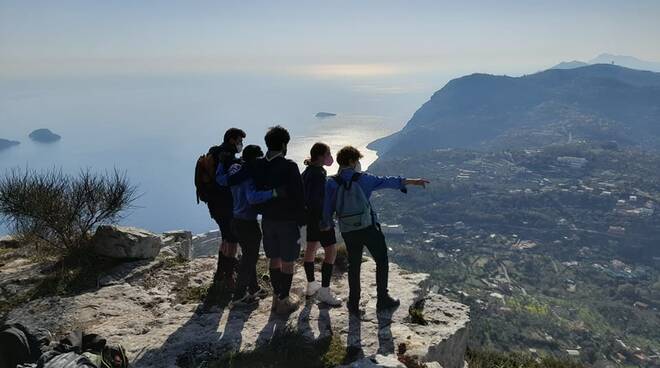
570, 64
5, 143
44, 136
594, 103
620, 60
626, 61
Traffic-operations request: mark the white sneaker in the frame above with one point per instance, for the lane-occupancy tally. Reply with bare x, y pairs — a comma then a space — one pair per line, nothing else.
326, 296
312, 288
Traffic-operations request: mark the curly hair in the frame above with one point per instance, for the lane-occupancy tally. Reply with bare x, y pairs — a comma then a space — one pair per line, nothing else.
348, 154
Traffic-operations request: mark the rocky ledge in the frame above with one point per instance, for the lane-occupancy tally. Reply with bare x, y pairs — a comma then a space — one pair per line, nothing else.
140, 306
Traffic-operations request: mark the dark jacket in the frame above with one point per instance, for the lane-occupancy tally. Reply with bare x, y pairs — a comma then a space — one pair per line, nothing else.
277, 172
314, 187
220, 200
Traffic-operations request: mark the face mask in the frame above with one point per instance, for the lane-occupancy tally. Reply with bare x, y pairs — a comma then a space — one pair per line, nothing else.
328, 161
358, 167
239, 147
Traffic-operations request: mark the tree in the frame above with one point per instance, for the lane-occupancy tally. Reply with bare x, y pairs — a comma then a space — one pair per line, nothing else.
61, 210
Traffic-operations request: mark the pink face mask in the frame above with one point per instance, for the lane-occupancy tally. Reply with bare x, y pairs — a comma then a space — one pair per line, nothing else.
328, 160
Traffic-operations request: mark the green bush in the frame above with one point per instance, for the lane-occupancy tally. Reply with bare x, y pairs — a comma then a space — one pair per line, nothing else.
60, 210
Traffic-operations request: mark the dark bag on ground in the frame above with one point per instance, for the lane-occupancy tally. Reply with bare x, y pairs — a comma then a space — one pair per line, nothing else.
18, 345
77, 350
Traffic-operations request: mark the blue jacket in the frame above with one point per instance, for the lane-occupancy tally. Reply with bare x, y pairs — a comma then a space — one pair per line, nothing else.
244, 192
368, 182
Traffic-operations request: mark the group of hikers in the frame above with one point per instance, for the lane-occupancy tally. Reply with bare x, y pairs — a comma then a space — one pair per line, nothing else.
237, 190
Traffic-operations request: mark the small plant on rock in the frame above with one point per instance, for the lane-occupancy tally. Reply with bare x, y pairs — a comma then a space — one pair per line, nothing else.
416, 311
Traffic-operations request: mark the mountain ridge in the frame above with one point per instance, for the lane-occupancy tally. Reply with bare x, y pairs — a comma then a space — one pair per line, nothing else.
601, 102
606, 58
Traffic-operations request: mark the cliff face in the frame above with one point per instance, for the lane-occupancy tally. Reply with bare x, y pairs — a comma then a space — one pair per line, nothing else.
146, 306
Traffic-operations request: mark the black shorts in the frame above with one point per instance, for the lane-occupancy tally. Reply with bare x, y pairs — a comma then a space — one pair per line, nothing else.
226, 232
281, 239
314, 234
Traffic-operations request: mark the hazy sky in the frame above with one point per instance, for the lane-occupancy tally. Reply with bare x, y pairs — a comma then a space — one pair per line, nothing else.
319, 38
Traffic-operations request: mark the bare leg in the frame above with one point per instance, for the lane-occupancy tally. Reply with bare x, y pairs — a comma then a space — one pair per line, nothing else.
330, 254
310, 251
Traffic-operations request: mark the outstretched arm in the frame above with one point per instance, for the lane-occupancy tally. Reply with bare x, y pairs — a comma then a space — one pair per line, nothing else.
255, 196
418, 182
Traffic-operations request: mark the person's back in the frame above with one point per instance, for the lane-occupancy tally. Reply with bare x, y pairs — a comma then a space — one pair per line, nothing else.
282, 174
220, 204
360, 228
220, 197
314, 178
243, 193
244, 224
282, 216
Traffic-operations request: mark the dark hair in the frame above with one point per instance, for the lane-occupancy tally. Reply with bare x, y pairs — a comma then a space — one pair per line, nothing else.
233, 133
252, 152
348, 154
276, 137
318, 149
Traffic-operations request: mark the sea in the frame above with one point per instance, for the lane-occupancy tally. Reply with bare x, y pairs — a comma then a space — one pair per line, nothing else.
154, 127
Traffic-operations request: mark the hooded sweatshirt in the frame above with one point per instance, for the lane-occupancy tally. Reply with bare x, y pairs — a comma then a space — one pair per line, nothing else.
243, 189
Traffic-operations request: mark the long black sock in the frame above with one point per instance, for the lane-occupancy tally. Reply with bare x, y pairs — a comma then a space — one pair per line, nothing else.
309, 271
287, 280
276, 280
326, 274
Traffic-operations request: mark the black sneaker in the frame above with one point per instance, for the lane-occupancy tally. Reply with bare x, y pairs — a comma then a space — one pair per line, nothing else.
387, 302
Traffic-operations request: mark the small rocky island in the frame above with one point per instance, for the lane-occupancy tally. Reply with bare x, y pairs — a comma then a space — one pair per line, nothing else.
325, 114
5, 143
44, 136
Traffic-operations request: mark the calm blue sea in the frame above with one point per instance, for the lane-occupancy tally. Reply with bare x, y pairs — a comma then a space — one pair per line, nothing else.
154, 128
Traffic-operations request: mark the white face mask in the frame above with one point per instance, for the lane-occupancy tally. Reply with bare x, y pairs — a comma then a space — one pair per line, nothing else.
358, 167
239, 147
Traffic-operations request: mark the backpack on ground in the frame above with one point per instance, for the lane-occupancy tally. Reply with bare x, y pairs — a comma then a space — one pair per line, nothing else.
352, 207
205, 176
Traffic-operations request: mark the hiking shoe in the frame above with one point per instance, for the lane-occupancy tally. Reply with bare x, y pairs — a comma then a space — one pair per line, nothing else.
242, 301
326, 296
287, 305
387, 302
312, 288
260, 293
